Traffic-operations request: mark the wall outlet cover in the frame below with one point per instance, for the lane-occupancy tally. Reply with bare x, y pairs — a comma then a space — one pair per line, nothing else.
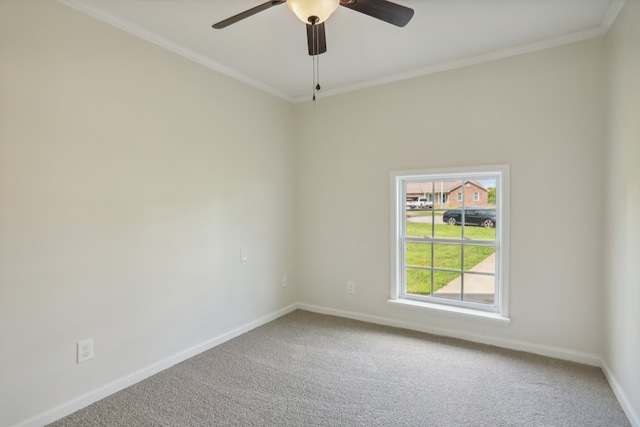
85, 350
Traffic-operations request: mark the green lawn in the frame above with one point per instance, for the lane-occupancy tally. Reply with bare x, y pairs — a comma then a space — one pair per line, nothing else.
447, 256
424, 213
450, 231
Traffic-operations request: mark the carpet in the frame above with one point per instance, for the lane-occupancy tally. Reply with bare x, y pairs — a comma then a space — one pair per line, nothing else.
308, 369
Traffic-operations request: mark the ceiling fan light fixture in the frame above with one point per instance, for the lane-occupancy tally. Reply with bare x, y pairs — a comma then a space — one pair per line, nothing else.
305, 9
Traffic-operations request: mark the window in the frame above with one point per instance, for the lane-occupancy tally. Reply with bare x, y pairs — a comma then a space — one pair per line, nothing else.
452, 257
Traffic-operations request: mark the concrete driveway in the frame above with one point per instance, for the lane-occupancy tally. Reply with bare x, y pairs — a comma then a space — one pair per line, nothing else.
425, 219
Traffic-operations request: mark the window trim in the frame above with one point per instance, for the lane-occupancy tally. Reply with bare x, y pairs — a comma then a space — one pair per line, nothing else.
502, 236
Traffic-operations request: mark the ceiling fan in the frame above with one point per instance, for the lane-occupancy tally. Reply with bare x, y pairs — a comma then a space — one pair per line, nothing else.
314, 12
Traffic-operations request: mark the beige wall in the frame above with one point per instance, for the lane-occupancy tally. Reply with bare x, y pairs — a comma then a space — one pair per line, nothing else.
129, 180
542, 113
621, 221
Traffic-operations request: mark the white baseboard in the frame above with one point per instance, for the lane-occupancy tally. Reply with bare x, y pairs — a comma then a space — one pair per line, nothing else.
135, 377
556, 353
633, 416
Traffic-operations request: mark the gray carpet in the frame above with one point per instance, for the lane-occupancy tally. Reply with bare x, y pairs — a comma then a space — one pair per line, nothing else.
308, 369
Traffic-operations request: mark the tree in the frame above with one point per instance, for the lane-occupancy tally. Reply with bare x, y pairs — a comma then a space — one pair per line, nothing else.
492, 195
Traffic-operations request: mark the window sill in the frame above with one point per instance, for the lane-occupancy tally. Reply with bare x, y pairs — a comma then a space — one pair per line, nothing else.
495, 318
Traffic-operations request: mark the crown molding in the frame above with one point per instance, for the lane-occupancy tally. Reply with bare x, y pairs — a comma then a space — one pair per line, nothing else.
612, 13
154, 38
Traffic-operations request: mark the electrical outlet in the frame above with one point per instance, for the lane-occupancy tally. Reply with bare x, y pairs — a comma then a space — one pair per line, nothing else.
351, 287
244, 257
85, 350
285, 281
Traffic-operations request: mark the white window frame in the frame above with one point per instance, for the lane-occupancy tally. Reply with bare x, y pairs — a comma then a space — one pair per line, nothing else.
476, 196
497, 313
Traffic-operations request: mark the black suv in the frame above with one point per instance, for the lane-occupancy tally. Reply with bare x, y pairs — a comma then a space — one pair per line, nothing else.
472, 216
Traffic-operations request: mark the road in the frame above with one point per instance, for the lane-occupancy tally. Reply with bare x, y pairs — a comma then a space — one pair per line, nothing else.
426, 219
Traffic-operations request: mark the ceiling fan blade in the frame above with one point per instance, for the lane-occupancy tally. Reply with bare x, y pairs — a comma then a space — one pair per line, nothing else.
316, 39
247, 13
381, 9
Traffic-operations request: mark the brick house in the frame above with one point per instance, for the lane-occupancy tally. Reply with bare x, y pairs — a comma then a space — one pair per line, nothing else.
450, 193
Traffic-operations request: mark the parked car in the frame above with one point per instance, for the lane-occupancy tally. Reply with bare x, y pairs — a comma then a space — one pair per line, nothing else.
420, 203
472, 216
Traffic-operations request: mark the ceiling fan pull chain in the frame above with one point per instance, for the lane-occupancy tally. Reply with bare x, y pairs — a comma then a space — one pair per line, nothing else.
314, 78
318, 73
315, 50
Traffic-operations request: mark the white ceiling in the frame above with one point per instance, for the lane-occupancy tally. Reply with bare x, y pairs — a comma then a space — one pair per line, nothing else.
269, 49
